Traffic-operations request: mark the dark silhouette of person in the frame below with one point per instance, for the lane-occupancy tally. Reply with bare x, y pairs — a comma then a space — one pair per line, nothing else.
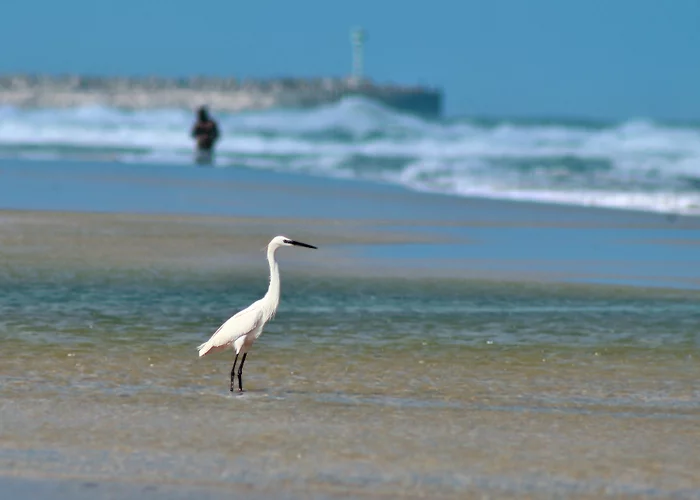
206, 133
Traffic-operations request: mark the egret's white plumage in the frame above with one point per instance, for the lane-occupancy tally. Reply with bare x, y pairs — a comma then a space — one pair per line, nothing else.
244, 327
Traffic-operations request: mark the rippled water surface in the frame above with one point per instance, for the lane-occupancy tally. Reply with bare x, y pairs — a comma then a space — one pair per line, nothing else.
436, 362
393, 385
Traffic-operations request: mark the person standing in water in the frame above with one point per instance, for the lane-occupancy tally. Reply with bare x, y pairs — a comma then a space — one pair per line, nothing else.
206, 132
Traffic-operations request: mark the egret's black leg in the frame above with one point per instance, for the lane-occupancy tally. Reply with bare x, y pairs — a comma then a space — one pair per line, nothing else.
233, 371
240, 372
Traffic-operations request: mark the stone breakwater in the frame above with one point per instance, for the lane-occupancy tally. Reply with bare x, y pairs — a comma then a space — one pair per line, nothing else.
220, 94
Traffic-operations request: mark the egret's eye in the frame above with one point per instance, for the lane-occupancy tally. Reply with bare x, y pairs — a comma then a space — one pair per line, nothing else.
288, 242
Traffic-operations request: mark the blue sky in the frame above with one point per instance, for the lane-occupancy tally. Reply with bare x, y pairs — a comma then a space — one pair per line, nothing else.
584, 58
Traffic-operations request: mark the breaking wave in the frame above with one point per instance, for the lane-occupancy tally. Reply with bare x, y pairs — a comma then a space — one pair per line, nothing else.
636, 164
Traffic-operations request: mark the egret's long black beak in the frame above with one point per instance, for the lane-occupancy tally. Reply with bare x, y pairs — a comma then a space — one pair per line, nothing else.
300, 244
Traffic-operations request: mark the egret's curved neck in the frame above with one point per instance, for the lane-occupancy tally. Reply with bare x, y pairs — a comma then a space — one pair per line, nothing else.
272, 296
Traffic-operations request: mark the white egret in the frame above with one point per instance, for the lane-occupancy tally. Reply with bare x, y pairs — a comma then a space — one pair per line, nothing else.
243, 328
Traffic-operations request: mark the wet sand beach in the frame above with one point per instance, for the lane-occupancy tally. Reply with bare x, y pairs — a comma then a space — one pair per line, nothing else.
433, 347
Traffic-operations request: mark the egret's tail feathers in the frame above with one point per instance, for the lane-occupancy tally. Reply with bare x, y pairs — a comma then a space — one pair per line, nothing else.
203, 349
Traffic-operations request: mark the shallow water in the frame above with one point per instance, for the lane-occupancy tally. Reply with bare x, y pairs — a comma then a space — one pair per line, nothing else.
397, 386
413, 359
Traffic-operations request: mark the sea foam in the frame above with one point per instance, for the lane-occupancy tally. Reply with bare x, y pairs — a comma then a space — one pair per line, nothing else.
636, 164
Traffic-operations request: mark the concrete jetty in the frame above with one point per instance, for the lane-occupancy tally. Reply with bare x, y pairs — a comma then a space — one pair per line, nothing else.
220, 94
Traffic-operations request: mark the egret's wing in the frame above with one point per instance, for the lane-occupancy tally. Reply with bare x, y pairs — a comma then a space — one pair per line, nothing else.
236, 326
